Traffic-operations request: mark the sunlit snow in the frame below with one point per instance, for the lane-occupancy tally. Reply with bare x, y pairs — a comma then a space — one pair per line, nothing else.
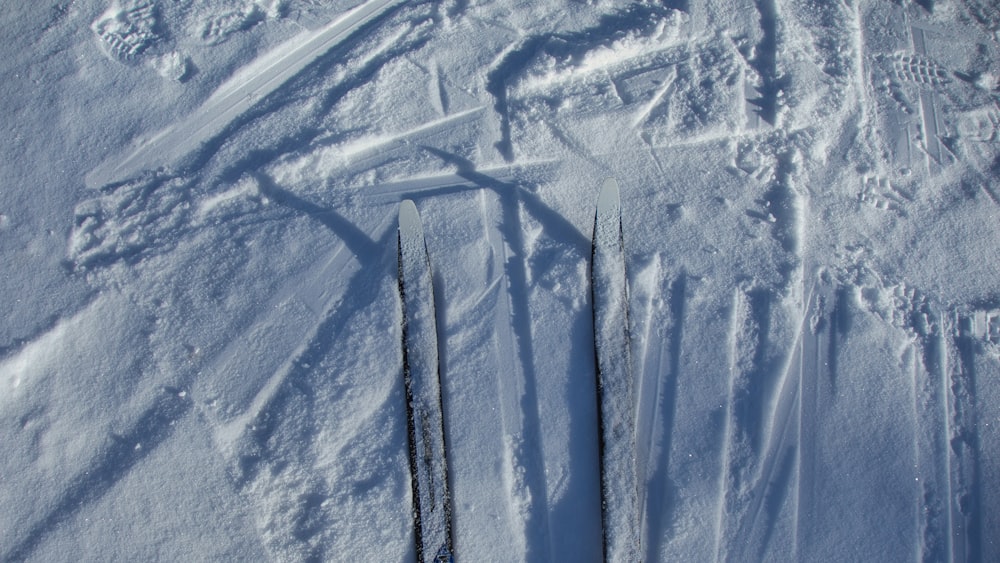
201, 347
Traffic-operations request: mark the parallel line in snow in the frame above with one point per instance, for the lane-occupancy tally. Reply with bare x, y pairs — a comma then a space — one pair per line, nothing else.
966, 447
940, 369
661, 361
779, 424
649, 366
816, 360
365, 153
313, 295
251, 84
727, 429
931, 444
518, 408
436, 184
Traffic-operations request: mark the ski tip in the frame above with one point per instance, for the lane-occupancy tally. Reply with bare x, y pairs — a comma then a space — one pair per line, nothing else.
408, 209
609, 201
409, 217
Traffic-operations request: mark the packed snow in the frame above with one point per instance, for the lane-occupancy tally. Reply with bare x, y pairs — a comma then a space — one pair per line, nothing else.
201, 347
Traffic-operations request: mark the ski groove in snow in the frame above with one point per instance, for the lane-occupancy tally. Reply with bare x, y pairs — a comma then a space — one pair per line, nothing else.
516, 384
965, 448
238, 265
762, 454
662, 338
931, 436
252, 84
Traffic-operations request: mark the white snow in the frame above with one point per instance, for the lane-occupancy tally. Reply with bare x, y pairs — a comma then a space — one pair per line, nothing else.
200, 348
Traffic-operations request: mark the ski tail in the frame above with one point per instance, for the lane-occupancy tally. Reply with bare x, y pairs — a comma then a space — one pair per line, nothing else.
432, 518
615, 387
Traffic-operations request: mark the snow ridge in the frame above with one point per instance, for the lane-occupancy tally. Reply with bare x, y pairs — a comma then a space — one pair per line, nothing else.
239, 94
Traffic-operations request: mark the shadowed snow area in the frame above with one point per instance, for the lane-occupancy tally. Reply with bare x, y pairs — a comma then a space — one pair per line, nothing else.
202, 346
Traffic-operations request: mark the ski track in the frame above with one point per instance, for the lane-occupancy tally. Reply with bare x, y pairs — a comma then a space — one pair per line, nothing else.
931, 439
245, 89
762, 457
766, 457
311, 298
660, 371
369, 153
818, 352
512, 195
964, 451
442, 184
945, 443
929, 111
782, 439
947, 451
727, 430
644, 296
516, 379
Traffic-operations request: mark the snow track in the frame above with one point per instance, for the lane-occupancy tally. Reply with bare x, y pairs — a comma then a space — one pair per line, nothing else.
307, 301
969, 537
244, 90
932, 434
658, 404
768, 475
516, 385
205, 345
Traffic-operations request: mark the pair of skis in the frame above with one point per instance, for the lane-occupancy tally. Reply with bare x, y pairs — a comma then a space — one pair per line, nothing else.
616, 402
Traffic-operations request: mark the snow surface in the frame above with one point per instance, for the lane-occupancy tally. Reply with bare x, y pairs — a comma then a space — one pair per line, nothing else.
200, 349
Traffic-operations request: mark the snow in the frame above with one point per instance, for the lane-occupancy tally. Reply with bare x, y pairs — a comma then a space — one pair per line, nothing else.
200, 350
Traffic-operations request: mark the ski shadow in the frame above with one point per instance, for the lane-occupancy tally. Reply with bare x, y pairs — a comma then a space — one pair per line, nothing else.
661, 494
545, 523
576, 516
356, 240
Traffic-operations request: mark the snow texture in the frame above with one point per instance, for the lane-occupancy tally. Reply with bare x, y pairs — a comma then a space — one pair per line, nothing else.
200, 345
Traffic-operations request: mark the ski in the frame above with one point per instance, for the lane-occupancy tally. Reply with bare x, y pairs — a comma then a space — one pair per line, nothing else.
616, 400
422, 381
